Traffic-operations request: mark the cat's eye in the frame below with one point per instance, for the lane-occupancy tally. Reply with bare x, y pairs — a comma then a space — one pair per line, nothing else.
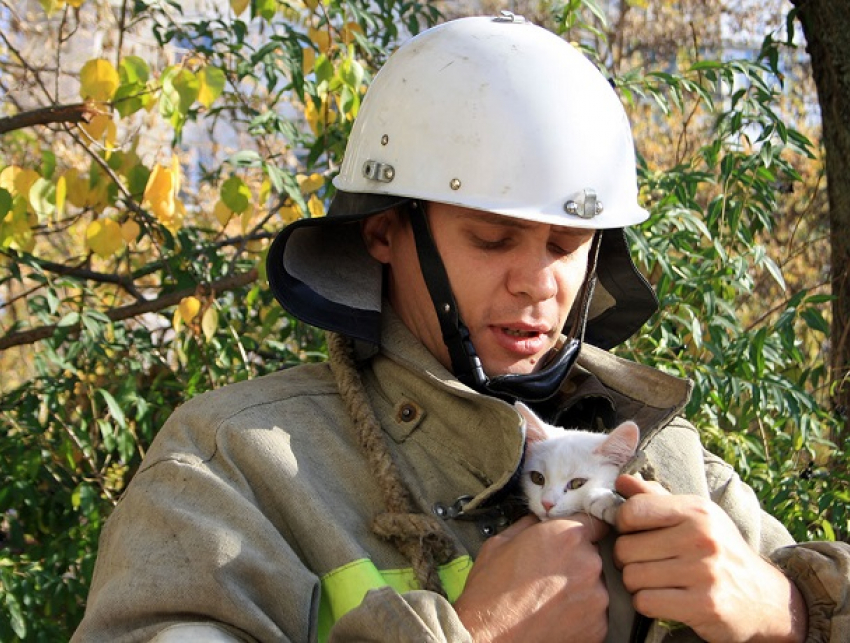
537, 478
576, 483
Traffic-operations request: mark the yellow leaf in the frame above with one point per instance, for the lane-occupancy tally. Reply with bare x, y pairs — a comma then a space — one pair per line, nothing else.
18, 180
61, 195
255, 245
320, 37
7, 178
161, 195
290, 213
209, 322
130, 231
311, 114
316, 207
212, 81
308, 60
75, 3
175, 173
310, 184
102, 128
348, 32
16, 227
265, 191
159, 192
111, 137
79, 192
222, 213
245, 218
239, 6
179, 214
103, 237
177, 321
50, 6
189, 307
98, 80
311, 4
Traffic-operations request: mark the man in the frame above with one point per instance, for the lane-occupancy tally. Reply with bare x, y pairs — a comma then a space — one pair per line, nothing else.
473, 256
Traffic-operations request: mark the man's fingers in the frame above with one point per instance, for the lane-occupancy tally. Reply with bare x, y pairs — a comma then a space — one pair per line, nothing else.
628, 486
519, 526
657, 574
649, 511
596, 529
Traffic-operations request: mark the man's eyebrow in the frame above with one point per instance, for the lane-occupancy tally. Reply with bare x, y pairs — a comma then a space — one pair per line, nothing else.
511, 222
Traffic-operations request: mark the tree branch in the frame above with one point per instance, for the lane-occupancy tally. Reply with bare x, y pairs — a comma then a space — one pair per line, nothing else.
134, 310
77, 113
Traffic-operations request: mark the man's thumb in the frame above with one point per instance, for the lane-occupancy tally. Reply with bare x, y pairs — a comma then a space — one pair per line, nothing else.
628, 486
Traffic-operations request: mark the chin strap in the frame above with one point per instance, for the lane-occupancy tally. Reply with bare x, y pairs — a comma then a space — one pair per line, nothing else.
466, 365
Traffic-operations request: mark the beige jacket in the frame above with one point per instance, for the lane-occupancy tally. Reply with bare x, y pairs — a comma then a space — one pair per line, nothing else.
249, 519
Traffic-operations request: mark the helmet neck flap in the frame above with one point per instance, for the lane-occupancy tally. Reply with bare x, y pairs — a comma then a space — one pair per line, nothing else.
466, 365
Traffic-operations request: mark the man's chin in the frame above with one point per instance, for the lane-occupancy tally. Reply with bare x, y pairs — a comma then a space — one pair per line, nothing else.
522, 367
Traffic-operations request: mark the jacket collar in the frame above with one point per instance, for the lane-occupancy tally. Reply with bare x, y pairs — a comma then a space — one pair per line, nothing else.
601, 391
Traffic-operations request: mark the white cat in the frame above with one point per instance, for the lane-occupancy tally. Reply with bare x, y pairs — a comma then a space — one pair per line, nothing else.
569, 472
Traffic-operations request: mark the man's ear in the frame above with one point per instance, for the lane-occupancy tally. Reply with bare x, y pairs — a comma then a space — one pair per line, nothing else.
377, 234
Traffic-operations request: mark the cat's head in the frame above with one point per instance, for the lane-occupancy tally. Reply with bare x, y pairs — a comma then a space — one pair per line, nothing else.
565, 469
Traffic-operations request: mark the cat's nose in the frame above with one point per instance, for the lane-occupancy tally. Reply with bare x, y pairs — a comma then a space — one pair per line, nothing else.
547, 506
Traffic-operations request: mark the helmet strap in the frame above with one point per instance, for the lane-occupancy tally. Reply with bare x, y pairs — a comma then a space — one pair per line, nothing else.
466, 365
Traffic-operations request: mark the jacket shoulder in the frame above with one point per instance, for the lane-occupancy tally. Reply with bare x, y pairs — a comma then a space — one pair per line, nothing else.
192, 431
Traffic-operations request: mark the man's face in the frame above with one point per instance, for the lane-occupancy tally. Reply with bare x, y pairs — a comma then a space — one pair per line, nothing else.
514, 281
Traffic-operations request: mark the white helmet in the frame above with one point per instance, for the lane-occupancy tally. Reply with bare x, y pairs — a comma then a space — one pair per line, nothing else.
497, 115
492, 114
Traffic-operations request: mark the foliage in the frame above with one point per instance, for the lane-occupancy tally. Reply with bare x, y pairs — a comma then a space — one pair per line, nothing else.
760, 378
132, 248
132, 232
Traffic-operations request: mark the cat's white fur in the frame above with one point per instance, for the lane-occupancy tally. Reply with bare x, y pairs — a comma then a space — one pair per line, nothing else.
573, 471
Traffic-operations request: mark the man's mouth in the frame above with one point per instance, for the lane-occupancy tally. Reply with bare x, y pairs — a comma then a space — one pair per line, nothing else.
516, 332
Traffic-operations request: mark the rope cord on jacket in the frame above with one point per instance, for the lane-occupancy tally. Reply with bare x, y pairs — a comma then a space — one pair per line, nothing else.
419, 537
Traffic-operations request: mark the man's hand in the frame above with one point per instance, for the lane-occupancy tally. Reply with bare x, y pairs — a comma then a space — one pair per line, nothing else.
683, 559
538, 581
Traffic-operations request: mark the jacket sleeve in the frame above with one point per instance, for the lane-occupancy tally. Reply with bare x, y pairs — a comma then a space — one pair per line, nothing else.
820, 570
189, 545
412, 617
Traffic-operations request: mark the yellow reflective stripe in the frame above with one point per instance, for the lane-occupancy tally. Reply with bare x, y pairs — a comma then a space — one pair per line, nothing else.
344, 588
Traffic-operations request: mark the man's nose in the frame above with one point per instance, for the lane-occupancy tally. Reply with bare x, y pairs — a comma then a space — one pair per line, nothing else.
534, 277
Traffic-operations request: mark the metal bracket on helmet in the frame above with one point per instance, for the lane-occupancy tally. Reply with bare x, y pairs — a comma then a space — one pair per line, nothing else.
377, 171
585, 205
509, 16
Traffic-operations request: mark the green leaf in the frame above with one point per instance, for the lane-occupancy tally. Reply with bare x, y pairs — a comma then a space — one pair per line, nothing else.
828, 531
42, 197
188, 87
16, 615
775, 272
265, 9
235, 194
114, 408
245, 158
128, 99
133, 70
69, 320
5, 203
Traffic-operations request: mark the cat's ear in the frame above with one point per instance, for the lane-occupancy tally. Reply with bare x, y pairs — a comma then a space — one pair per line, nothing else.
620, 445
536, 430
